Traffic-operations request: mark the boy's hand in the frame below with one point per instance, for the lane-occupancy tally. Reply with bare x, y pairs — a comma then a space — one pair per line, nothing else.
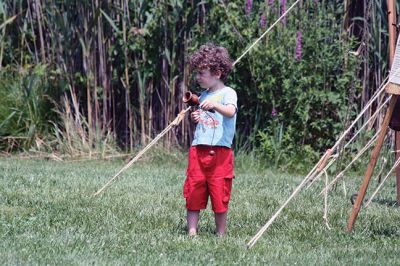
228, 110
207, 105
195, 116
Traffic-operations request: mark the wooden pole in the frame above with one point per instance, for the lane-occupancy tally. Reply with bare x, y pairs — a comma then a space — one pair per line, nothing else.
392, 20
372, 164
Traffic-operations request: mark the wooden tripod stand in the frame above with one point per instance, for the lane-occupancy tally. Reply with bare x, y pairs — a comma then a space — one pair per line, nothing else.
374, 157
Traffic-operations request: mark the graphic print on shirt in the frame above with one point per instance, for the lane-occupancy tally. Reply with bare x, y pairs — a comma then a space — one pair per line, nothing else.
207, 120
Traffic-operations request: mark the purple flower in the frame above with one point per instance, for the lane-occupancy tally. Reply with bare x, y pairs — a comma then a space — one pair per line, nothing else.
249, 4
283, 10
271, 5
274, 112
298, 46
263, 21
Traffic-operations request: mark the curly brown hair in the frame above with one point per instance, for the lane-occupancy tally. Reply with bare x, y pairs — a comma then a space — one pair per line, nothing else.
212, 57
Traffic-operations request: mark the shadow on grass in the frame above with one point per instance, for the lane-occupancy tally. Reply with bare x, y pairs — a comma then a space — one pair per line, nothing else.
386, 202
180, 228
386, 231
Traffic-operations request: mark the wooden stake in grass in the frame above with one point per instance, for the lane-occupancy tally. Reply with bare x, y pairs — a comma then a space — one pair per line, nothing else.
174, 123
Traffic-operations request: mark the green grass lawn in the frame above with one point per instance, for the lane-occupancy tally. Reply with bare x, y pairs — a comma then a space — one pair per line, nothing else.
47, 216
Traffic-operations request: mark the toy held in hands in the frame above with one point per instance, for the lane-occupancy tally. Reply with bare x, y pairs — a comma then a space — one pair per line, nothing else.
192, 100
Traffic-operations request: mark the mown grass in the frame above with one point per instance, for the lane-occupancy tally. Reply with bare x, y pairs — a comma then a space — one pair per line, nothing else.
47, 216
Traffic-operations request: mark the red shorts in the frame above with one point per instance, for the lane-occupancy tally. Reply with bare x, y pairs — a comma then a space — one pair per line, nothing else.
208, 175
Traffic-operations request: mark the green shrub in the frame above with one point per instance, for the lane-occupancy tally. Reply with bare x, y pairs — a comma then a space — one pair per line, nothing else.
25, 107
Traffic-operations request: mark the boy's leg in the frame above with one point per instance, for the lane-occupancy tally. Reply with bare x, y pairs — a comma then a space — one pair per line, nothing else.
220, 189
220, 223
192, 222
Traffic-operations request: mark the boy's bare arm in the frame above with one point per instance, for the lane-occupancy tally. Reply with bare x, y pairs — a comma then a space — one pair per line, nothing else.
228, 110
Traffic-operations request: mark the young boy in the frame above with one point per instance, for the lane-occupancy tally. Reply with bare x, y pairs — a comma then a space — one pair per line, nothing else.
210, 167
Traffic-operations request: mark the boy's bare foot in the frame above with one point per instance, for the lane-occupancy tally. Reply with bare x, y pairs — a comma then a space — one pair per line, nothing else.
219, 234
192, 232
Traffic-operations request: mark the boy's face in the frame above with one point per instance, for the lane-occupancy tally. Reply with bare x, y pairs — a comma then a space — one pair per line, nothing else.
206, 79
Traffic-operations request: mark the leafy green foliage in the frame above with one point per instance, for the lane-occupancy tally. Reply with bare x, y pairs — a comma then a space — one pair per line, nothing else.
146, 45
